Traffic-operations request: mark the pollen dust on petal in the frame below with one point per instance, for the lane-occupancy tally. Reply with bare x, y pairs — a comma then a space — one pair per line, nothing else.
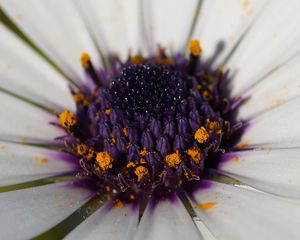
206, 206
242, 145
235, 159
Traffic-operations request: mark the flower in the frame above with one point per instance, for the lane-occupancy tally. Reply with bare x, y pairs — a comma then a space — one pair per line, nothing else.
227, 162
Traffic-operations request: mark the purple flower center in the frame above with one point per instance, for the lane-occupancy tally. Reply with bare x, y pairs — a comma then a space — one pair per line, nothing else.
156, 128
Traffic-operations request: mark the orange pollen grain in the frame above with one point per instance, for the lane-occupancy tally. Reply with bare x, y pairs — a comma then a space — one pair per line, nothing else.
195, 154
206, 206
85, 60
130, 164
144, 152
195, 48
214, 126
82, 149
136, 59
107, 111
67, 119
43, 161
142, 161
201, 135
104, 160
125, 133
118, 204
140, 172
235, 159
174, 159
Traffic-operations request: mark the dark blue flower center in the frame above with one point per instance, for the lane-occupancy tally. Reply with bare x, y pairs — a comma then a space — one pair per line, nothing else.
145, 88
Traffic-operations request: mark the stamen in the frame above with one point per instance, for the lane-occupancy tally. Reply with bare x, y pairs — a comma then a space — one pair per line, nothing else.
140, 172
104, 160
195, 155
201, 135
86, 63
195, 48
173, 160
67, 119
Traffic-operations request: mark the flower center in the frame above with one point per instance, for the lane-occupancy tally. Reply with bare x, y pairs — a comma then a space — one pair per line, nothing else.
157, 127
145, 88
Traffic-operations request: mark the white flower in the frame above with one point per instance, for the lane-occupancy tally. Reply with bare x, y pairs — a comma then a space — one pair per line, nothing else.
258, 40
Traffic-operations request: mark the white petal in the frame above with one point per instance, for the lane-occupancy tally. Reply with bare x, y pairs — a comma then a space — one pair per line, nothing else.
23, 72
20, 163
167, 221
270, 42
274, 170
20, 121
272, 91
29, 212
168, 23
114, 24
278, 127
115, 223
244, 214
224, 22
55, 26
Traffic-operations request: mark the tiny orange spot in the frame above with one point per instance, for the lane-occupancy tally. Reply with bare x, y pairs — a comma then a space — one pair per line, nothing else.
43, 161
136, 59
82, 149
206, 206
201, 135
125, 132
144, 152
118, 204
130, 164
235, 159
85, 60
242, 145
142, 161
195, 48
140, 172
107, 111
195, 154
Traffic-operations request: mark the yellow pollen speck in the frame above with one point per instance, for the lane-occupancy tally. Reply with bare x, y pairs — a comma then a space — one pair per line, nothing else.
90, 154
195, 48
201, 135
235, 159
130, 164
2, 147
136, 59
85, 60
67, 119
206, 206
104, 160
242, 145
118, 204
82, 149
174, 159
214, 126
78, 97
125, 133
43, 161
113, 139
107, 111
140, 172
195, 154
142, 160
144, 152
